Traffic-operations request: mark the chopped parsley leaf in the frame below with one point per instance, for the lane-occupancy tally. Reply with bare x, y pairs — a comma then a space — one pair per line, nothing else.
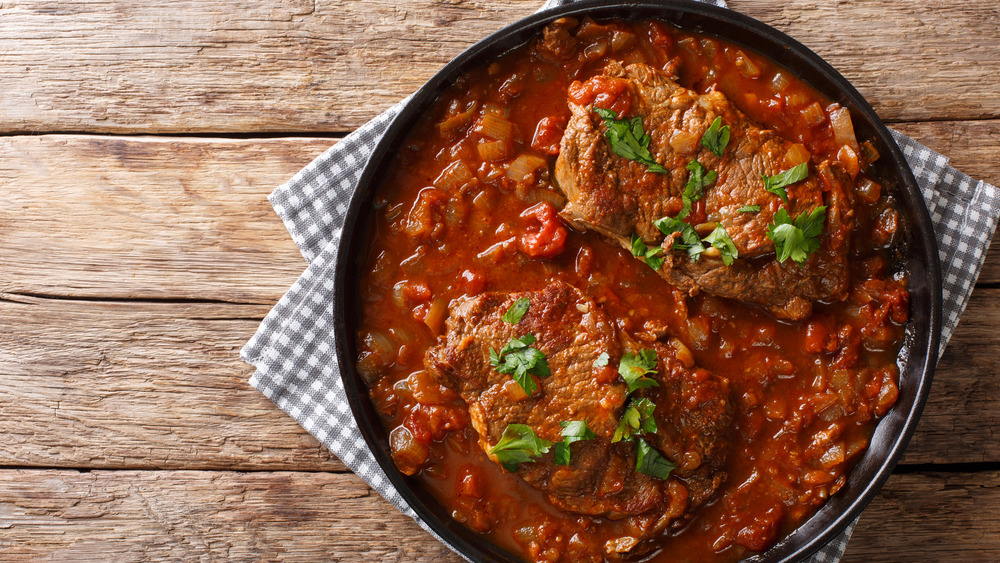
650, 462
716, 137
776, 184
637, 419
749, 209
516, 311
629, 140
698, 179
796, 240
573, 431
522, 361
689, 240
652, 256
634, 367
719, 238
519, 444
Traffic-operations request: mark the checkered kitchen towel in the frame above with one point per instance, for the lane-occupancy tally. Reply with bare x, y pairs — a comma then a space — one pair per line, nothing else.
292, 350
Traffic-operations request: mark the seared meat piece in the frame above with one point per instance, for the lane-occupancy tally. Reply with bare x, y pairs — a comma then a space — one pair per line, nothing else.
618, 197
573, 331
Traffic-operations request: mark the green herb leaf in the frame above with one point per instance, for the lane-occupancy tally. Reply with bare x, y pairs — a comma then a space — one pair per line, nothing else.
652, 256
629, 140
798, 239
516, 311
689, 240
698, 179
573, 431
716, 137
602, 360
637, 419
634, 367
719, 238
650, 462
522, 361
749, 209
519, 444
776, 184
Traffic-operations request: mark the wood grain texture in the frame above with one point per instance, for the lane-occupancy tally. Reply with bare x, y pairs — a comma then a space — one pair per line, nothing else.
139, 385
187, 218
160, 385
931, 517
193, 515
203, 516
148, 218
309, 65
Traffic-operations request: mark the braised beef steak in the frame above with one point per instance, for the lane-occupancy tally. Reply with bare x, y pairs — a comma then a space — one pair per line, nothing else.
693, 413
618, 197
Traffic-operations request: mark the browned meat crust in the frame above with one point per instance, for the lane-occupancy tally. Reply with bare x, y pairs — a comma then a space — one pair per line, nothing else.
693, 411
619, 197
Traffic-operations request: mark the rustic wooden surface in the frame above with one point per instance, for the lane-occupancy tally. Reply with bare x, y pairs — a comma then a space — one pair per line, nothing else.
138, 144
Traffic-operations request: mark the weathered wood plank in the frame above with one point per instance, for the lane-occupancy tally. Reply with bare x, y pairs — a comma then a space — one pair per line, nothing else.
305, 66
203, 516
139, 385
191, 515
963, 411
181, 218
147, 217
160, 385
931, 517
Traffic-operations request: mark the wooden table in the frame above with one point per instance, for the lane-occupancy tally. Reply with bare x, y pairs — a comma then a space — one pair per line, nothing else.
138, 253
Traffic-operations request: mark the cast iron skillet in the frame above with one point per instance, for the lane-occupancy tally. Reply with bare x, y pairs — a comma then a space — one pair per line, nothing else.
919, 257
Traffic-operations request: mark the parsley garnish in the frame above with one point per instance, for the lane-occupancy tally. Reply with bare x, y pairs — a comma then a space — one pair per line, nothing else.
629, 140
719, 238
573, 431
652, 256
602, 360
799, 239
519, 444
689, 238
716, 137
650, 462
516, 311
776, 184
637, 419
522, 361
634, 367
749, 209
697, 180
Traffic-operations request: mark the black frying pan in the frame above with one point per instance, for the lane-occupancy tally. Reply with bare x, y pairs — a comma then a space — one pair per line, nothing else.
919, 256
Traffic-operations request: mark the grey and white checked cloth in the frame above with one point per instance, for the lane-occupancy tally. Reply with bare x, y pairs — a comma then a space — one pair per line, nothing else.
293, 351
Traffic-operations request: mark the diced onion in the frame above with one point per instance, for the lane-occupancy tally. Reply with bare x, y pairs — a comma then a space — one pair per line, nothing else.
621, 40
434, 319
869, 151
796, 155
684, 354
746, 67
495, 127
843, 129
523, 166
779, 82
456, 121
492, 151
812, 115
456, 175
684, 142
868, 190
596, 50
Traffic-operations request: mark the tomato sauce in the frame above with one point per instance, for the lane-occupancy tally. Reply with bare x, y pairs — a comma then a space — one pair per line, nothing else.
468, 207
